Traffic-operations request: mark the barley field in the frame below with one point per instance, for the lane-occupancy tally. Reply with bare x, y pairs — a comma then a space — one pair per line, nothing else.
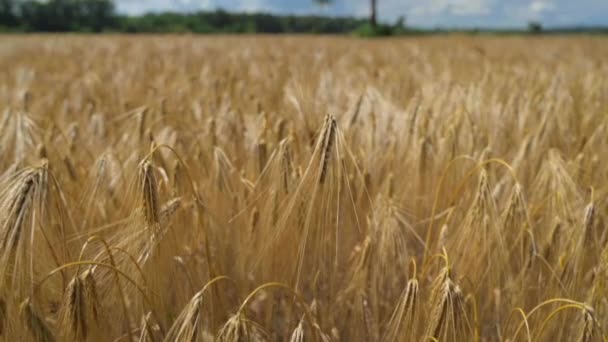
259, 188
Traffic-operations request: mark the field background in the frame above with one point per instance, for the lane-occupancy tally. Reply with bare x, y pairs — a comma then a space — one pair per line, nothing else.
187, 188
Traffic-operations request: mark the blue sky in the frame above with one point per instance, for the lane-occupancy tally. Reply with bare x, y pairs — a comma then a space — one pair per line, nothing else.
424, 13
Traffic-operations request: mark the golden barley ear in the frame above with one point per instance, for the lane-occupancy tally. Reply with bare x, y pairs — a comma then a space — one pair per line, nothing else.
403, 324
168, 210
91, 296
189, 324
301, 334
32, 229
590, 329
298, 333
3, 317
73, 312
588, 222
371, 330
146, 333
240, 328
262, 154
449, 320
35, 323
150, 201
327, 141
79, 313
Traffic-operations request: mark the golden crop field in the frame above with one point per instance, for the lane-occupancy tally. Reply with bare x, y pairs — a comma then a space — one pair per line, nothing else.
259, 188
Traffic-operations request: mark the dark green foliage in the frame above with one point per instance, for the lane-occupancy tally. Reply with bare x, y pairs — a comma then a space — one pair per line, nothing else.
7, 13
220, 21
535, 27
369, 31
100, 16
64, 15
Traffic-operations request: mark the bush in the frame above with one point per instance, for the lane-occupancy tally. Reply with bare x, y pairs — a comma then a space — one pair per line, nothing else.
369, 31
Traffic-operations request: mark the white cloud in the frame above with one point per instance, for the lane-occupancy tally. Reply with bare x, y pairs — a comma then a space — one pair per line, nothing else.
522, 11
540, 6
453, 7
254, 6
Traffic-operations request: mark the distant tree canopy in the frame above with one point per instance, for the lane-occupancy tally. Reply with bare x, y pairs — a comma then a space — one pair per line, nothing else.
535, 27
57, 15
101, 16
224, 22
7, 13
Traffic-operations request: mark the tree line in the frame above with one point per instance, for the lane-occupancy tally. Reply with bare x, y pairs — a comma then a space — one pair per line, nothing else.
57, 15
101, 16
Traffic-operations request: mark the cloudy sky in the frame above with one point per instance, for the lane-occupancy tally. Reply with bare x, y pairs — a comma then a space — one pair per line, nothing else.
425, 13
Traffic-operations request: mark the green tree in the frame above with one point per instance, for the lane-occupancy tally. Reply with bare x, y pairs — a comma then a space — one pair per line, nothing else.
373, 13
7, 13
67, 15
97, 14
535, 27
401, 23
